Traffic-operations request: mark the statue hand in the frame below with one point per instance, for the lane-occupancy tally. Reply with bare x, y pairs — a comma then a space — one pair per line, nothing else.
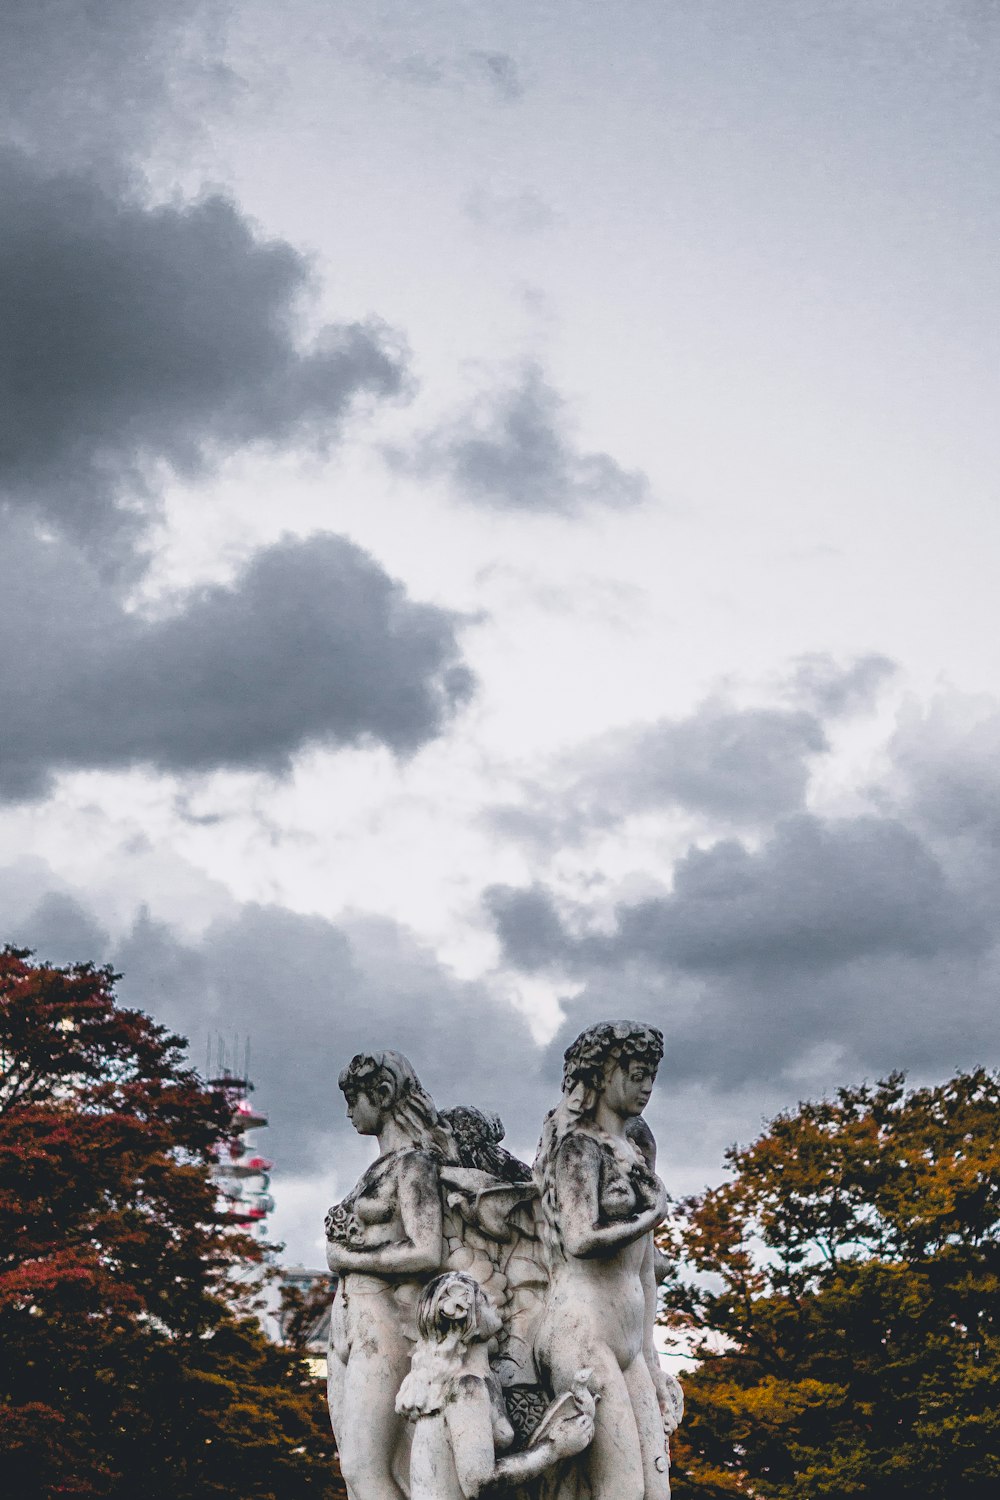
670, 1398
649, 1191
574, 1429
572, 1433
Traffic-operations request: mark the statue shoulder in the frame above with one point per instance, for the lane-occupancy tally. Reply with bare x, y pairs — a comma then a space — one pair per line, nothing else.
580, 1146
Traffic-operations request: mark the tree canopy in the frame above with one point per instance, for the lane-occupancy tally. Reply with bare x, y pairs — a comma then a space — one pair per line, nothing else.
129, 1361
843, 1289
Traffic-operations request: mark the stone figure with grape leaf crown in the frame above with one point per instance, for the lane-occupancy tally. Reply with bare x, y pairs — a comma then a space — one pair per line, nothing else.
599, 1204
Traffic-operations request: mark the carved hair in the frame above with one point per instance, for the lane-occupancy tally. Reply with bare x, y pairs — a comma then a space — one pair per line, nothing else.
408, 1104
453, 1314
478, 1136
587, 1065
588, 1062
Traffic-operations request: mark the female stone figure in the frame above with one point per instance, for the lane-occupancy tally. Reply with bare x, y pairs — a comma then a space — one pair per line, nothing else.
599, 1204
456, 1403
384, 1241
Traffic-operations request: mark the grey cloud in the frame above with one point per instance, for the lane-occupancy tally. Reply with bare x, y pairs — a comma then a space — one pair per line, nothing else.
817, 893
512, 451
310, 993
89, 83
529, 926
948, 761
307, 992
742, 765
458, 71
795, 1035
138, 336
500, 71
832, 688
62, 929
727, 762
312, 644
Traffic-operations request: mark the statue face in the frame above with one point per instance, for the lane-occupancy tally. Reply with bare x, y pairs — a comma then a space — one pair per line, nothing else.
628, 1088
365, 1114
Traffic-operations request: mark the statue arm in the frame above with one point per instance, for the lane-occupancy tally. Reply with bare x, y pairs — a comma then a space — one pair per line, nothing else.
420, 1247
669, 1392
470, 1431
577, 1167
648, 1278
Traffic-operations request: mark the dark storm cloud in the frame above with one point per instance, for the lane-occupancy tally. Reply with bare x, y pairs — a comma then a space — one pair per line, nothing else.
846, 936
817, 893
740, 765
803, 1035
311, 644
135, 336
308, 993
529, 926
513, 451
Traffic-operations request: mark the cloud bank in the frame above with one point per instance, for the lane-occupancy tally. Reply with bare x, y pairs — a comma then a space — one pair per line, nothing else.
820, 949
311, 644
141, 341
134, 337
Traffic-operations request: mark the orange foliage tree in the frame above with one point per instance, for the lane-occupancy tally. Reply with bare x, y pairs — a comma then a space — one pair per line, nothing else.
843, 1293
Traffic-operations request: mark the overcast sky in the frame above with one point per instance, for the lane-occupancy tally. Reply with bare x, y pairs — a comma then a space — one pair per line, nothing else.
500, 529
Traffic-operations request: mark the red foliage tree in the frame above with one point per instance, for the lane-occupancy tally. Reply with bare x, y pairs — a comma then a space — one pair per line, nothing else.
128, 1362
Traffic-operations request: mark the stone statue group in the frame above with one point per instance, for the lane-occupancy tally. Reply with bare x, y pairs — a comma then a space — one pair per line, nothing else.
493, 1324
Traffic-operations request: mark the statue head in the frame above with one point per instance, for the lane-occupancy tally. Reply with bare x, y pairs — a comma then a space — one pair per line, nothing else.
613, 1060
454, 1307
383, 1086
454, 1314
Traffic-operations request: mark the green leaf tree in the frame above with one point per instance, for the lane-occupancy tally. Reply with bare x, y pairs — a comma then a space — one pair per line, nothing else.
843, 1290
130, 1363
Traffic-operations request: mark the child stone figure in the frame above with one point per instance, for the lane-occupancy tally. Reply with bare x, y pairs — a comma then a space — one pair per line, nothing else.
456, 1403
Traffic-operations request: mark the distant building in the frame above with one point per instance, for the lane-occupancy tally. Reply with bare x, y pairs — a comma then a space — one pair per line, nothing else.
241, 1177
318, 1332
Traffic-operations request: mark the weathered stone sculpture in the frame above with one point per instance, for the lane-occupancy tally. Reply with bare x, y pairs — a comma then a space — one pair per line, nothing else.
384, 1241
482, 1308
456, 1402
600, 1201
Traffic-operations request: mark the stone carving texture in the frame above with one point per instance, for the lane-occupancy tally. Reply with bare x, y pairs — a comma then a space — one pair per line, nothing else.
492, 1329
